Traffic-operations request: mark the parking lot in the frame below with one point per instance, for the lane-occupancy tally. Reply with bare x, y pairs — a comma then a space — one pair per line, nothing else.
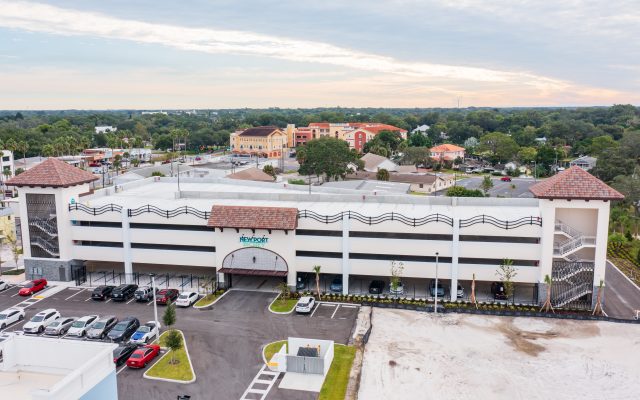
224, 342
518, 187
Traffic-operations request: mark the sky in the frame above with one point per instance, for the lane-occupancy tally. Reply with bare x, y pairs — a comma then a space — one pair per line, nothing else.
155, 54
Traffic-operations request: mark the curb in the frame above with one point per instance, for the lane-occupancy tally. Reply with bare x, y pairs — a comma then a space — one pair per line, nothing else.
186, 349
264, 346
279, 312
208, 306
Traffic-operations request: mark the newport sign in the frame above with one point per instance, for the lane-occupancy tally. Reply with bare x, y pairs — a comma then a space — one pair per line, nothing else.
253, 241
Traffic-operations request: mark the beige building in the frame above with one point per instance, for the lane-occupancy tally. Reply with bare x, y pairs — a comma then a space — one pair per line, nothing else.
266, 141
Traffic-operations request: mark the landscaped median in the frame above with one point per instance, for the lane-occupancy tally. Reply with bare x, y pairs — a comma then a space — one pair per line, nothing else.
336, 381
209, 299
282, 306
164, 370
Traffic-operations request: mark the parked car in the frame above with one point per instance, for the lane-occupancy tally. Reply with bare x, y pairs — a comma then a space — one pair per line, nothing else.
32, 287
101, 327
186, 299
10, 316
3, 285
123, 292
146, 333
39, 322
432, 289
506, 179
143, 355
123, 330
122, 353
336, 284
305, 304
302, 281
60, 326
166, 296
102, 292
498, 291
398, 290
459, 291
376, 286
81, 325
144, 293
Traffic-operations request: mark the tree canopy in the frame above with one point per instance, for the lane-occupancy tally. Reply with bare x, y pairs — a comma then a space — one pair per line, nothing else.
328, 157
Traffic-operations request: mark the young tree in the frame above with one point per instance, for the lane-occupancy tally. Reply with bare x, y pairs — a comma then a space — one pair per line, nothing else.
506, 272
169, 317
397, 267
316, 270
547, 303
174, 343
486, 184
283, 288
382, 175
16, 250
597, 309
268, 169
473, 290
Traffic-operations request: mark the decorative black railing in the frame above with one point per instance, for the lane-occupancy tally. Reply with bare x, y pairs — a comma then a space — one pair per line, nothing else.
487, 219
329, 219
95, 210
169, 213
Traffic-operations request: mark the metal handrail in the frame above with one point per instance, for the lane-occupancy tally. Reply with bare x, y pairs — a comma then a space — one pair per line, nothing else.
373, 220
569, 245
499, 223
569, 230
573, 294
169, 213
45, 227
46, 246
566, 271
95, 210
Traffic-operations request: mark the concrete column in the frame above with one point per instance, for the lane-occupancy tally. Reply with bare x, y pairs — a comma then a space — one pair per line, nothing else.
602, 231
126, 246
455, 246
345, 253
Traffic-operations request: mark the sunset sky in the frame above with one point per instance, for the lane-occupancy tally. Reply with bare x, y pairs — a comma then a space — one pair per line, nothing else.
144, 54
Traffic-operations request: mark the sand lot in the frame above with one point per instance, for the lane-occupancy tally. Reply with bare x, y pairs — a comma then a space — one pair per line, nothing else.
414, 355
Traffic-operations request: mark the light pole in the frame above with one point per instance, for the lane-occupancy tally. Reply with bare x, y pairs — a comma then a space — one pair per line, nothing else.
435, 307
155, 306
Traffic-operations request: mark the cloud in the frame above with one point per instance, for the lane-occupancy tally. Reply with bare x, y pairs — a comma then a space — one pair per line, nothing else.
37, 17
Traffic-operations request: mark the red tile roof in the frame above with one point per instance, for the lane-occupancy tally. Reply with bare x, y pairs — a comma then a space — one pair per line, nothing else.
247, 217
446, 148
52, 173
574, 183
375, 127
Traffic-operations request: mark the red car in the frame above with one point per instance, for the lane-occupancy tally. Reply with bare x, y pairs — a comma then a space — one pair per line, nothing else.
506, 179
32, 287
167, 295
141, 357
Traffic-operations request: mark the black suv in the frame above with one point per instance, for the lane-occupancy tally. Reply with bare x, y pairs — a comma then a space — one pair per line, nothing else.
124, 329
123, 292
121, 353
102, 292
376, 287
497, 289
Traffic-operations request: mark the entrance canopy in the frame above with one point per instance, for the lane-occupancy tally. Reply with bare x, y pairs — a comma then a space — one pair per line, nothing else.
254, 261
247, 217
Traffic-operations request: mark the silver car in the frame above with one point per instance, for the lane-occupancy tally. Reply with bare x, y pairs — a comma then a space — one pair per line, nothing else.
101, 327
60, 326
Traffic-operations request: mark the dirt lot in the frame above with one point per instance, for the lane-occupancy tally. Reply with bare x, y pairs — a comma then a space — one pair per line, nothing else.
418, 355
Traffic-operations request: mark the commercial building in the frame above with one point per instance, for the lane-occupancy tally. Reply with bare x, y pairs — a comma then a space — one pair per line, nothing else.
356, 134
265, 141
41, 368
237, 228
6, 164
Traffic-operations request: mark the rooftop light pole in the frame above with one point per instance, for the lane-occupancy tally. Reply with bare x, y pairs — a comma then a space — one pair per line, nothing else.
435, 307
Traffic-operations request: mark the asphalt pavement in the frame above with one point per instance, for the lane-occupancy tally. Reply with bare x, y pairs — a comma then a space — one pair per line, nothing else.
518, 187
621, 297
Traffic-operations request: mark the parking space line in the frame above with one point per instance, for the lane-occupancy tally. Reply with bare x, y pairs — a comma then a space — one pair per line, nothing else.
149, 303
132, 299
335, 311
121, 369
314, 311
75, 294
107, 301
348, 306
16, 294
88, 299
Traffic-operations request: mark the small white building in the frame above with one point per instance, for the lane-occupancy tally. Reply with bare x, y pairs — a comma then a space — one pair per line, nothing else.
421, 129
374, 163
585, 162
105, 129
6, 164
54, 369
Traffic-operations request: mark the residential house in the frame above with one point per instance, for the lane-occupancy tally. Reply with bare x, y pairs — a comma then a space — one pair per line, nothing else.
585, 162
374, 163
447, 152
421, 129
252, 174
105, 129
422, 183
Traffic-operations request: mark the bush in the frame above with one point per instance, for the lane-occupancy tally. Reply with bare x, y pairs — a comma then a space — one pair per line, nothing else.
496, 173
297, 182
14, 272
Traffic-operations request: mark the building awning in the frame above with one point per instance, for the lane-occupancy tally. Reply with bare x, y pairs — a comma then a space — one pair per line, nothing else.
254, 272
247, 217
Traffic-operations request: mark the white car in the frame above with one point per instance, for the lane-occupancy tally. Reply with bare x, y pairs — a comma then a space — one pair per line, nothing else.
81, 325
146, 333
40, 321
186, 299
3, 285
305, 304
10, 316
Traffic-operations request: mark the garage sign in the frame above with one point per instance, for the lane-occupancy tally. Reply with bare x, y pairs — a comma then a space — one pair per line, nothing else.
254, 241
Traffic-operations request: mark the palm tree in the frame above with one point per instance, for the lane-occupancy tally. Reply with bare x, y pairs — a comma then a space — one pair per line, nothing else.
316, 270
547, 303
48, 150
11, 145
23, 147
117, 163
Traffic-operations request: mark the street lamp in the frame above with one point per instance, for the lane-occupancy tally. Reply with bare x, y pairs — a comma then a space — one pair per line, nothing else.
155, 306
435, 308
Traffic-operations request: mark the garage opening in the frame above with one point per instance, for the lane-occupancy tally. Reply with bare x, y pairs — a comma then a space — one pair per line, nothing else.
254, 268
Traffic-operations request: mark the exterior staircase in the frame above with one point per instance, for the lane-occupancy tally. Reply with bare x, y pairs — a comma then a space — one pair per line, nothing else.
576, 240
45, 226
46, 246
573, 294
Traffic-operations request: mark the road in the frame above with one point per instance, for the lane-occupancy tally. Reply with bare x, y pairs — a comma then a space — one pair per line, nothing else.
621, 297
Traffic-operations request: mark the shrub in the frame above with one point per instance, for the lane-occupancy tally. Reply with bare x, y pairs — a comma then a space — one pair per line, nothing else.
297, 182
